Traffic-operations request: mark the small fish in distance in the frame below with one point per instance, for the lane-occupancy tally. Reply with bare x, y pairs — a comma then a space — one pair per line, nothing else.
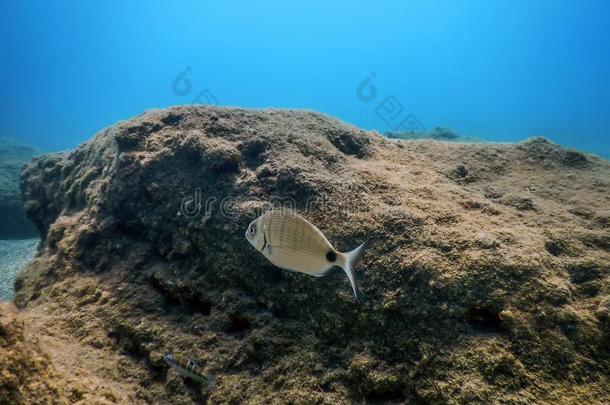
292, 243
189, 369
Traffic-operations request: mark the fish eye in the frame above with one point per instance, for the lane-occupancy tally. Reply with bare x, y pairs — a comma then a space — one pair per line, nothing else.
252, 229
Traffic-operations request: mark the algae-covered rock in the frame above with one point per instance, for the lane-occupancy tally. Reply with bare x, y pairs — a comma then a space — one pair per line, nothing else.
26, 375
483, 281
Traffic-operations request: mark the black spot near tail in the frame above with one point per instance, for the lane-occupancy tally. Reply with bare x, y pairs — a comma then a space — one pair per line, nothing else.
331, 256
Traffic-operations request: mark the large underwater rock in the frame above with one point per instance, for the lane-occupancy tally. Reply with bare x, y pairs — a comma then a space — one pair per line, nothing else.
13, 223
487, 276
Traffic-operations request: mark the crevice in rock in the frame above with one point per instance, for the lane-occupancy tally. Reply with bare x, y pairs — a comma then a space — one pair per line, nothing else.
238, 324
582, 272
387, 397
127, 340
186, 299
484, 319
253, 153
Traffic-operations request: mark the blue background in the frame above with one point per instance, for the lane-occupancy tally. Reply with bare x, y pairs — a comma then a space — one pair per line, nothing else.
499, 70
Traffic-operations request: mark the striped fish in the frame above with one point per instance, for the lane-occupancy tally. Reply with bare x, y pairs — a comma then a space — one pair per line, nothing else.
189, 369
292, 243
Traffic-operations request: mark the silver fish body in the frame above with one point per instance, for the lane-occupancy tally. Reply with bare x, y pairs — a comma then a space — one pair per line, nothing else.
189, 369
292, 243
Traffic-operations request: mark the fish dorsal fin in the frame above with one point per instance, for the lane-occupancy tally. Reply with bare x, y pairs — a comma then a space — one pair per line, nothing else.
192, 362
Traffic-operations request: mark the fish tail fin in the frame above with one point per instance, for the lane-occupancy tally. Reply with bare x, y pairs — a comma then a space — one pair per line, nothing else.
351, 260
211, 380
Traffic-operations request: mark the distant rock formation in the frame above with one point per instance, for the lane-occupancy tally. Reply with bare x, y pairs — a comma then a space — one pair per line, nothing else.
439, 134
13, 224
486, 278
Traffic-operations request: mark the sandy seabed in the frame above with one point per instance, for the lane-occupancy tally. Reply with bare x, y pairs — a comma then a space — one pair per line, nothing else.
14, 256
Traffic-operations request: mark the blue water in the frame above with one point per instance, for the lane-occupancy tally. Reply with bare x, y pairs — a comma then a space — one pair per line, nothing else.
498, 70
